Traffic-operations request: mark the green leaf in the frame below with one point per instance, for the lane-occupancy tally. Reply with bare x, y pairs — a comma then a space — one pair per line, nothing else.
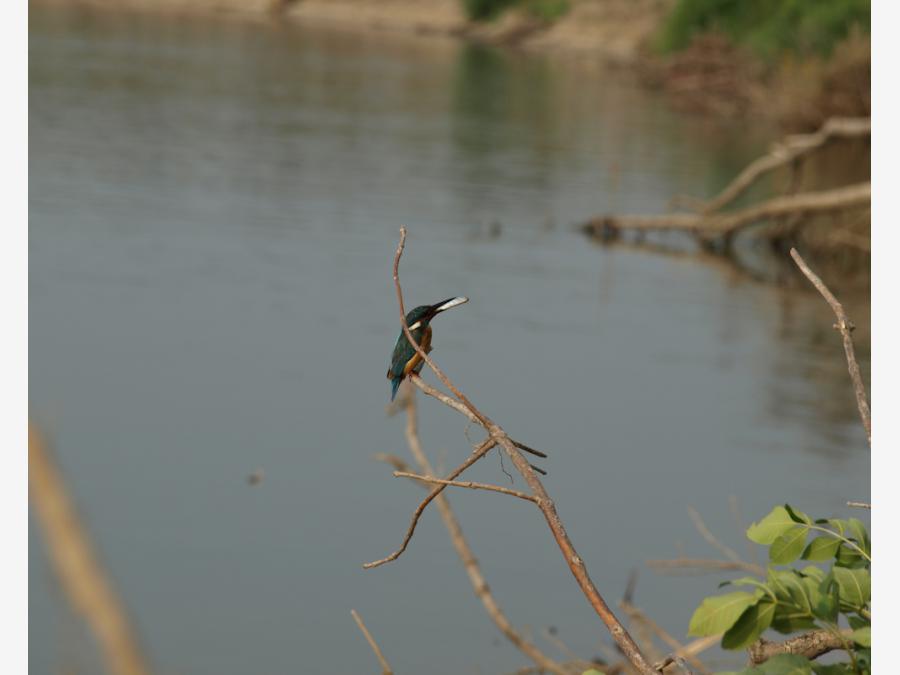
784, 664
788, 547
751, 624
833, 669
855, 586
788, 620
771, 527
839, 525
790, 590
858, 531
797, 516
857, 621
717, 614
827, 605
848, 557
821, 549
863, 636
814, 572
592, 671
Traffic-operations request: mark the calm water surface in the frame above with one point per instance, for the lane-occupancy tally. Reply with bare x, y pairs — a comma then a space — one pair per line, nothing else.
213, 212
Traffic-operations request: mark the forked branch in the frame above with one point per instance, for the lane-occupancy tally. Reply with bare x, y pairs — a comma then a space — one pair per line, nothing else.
497, 435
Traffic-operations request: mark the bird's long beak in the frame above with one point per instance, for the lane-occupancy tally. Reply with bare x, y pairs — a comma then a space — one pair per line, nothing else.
448, 304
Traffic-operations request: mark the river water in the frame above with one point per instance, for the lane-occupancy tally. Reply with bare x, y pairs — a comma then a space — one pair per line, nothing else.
213, 211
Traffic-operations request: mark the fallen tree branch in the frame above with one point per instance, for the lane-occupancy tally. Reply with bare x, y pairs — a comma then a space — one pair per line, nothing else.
786, 152
727, 224
385, 667
811, 645
845, 326
497, 435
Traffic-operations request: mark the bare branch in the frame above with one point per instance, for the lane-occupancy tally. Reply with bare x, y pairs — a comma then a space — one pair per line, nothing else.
702, 565
845, 326
811, 645
710, 537
480, 452
625, 642
470, 563
467, 484
722, 224
860, 505
787, 152
385, 667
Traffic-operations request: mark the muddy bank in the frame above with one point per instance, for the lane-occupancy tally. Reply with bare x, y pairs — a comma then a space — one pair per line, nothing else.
615, 30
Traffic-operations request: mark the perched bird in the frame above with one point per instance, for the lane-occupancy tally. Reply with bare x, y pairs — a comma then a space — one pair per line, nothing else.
406, 359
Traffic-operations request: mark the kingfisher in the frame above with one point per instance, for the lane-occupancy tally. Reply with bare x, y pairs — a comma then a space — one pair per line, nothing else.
406, 359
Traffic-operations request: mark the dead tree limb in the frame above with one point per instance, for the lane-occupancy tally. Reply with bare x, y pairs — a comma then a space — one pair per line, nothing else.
75, 563
385, 667
811, 645
728, 224
845, 326
786, 152
497, 435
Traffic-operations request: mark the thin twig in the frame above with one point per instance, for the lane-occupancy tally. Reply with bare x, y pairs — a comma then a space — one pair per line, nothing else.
700, 565
470, 562
480, 452
621, 636
467, 484
845, 326
710, 537
860, 505
385, 667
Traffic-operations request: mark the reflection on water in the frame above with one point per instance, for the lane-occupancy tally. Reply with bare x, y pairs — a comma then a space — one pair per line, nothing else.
213, 210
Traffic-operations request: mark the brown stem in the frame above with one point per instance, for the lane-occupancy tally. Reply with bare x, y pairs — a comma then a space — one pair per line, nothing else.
466, 484
470, 563
845, 326
480, 452
621, 636
75, 563
385, 667
811, 645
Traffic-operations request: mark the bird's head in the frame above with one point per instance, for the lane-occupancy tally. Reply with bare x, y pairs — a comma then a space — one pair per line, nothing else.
421, 316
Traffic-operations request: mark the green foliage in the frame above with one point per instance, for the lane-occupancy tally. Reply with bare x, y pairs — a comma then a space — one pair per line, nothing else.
769, 27
791, 599
484, 10
545, 10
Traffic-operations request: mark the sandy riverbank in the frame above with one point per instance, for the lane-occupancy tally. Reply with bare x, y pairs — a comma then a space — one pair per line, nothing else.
614, 30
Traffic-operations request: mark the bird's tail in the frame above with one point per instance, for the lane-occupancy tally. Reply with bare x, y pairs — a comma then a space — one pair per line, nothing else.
395, 385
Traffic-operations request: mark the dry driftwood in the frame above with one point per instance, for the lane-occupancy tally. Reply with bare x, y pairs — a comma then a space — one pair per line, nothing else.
707, 220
